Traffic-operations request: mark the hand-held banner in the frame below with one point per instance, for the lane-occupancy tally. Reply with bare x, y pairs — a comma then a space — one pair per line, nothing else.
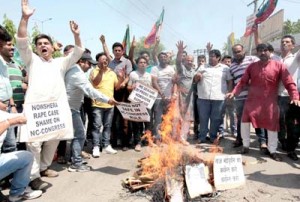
143, 93
47, 121
134, 112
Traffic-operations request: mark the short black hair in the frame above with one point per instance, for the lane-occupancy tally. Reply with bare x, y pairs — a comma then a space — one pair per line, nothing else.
42, 36
4, 35
144, 52
238, 44
68, 47
291, 37
99, 55
270, 47
261, 46
117, 44
226, 57
216, 52
140, 58
201, 57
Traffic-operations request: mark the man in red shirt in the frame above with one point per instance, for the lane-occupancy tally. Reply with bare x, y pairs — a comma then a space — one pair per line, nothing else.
263, 78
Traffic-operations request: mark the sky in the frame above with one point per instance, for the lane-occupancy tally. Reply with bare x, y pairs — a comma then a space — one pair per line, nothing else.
196, 22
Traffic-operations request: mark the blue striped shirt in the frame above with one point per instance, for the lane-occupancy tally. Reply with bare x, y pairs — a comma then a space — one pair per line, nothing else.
238, 70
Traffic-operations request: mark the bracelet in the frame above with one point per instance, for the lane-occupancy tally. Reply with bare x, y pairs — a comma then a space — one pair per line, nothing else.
13, 105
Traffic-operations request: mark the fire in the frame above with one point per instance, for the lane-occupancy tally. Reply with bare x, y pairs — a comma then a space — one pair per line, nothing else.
165, 161
168, 155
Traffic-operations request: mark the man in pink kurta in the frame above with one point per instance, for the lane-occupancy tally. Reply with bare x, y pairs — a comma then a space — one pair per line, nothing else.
261, 109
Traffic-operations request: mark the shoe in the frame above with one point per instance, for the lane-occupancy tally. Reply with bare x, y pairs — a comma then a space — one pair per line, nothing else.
237, 144
138, 148
27, 195
49, 173
293, 156
61, 160
125, 149
96, 152
275, 157
207, 137
245, 150
85, 155
110, 150
3, 198
264, 149
38, 184
81, 168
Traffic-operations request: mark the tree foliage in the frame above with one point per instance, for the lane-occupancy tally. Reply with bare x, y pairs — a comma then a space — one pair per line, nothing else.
8, 24
290, 27
11, 29
140, 47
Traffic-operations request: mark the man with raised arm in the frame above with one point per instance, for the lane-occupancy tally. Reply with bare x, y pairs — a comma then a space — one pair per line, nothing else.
46, 83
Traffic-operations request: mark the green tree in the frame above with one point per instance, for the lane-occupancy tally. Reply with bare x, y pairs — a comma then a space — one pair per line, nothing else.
11, 29
140, 47
290, 27
8, 24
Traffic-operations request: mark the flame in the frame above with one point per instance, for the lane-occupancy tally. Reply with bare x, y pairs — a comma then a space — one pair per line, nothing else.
165, 159
168, 155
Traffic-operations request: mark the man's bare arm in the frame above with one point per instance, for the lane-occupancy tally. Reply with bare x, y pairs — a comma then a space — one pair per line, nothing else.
27, 12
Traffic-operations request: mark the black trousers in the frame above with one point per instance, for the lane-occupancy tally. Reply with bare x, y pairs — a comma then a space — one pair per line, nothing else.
293, 127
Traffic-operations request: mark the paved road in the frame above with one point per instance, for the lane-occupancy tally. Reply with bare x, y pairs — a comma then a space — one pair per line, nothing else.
269, 181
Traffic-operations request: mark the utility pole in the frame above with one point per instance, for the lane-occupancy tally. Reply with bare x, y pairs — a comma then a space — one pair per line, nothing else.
198, 52
251, 36
42, 22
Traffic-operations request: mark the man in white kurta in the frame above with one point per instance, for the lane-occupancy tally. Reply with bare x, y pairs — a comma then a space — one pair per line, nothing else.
46, 83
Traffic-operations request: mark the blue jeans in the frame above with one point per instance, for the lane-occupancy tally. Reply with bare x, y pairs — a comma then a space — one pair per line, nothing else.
18, 163
9, 144
230, 112
209, 110
79, 138
102, 117
260, 133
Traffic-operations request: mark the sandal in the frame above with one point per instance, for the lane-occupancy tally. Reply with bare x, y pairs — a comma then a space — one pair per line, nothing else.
85, 155
61, 160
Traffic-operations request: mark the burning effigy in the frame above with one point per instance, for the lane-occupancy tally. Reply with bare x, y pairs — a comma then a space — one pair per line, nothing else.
171, 170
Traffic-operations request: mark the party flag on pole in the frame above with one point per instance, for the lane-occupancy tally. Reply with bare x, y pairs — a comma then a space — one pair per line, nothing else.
155, 32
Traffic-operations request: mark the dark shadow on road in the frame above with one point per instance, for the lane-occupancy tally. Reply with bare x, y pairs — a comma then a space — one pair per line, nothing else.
281, 180
112, 170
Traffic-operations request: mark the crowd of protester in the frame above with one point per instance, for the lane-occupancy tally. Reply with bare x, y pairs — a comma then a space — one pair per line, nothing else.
206, 92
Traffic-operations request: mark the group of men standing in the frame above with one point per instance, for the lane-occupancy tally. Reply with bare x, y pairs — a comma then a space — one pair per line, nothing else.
265, 92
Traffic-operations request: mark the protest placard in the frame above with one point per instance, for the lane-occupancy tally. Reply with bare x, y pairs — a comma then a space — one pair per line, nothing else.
46, 121
196, 178
143, 93
228, 172
134, 112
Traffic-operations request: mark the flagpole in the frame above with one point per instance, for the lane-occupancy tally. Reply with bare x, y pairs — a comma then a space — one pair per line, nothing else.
251, 36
